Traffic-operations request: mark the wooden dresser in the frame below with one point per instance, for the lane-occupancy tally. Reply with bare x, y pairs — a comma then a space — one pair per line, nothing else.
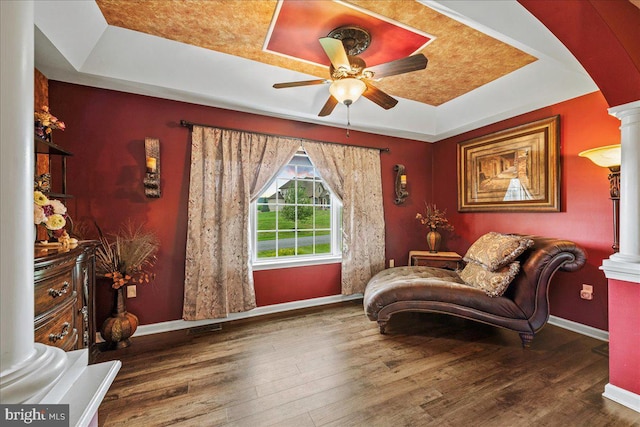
64, 283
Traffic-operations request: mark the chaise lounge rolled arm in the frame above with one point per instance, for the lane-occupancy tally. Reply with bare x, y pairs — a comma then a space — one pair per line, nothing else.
524, 306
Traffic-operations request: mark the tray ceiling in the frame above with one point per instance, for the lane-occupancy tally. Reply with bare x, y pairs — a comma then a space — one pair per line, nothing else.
461, 58
242, 47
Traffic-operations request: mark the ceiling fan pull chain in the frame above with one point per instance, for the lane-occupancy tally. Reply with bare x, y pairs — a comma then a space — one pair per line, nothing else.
348, 119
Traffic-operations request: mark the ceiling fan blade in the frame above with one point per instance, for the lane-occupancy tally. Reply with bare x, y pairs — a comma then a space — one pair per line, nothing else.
399, 66
300, 83
328, 106
379, 97
336, 53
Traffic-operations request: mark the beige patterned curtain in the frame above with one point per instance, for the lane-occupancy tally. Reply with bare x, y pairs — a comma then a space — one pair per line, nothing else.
228, 169
353, 173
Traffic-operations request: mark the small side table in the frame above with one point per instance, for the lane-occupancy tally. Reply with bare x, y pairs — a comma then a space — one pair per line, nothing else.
448, 260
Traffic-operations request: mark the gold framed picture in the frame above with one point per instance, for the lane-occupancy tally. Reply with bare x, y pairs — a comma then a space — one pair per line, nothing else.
515, 170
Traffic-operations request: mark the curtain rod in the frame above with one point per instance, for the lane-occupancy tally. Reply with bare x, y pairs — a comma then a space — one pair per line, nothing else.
190, 125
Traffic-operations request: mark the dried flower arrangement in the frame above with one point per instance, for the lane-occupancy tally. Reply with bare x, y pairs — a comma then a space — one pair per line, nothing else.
127, 256
434, 218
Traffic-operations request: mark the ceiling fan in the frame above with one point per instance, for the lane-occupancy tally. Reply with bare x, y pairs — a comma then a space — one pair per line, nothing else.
350, 76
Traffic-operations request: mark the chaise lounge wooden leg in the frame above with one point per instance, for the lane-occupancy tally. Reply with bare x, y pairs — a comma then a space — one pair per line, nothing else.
382, 324
526, 338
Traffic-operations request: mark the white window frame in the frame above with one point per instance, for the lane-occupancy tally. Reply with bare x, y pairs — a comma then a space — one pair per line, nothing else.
299, 260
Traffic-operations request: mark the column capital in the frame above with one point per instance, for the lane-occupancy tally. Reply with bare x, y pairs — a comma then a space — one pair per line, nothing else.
624, 110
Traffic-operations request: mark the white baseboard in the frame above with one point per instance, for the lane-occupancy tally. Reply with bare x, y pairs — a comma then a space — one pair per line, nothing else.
622, 396
579, 328
175, 325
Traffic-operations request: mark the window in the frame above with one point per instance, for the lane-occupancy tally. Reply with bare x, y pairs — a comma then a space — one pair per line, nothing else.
297, 220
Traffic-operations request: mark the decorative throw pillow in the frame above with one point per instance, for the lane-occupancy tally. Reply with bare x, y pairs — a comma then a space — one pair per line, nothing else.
493, 283
496, 250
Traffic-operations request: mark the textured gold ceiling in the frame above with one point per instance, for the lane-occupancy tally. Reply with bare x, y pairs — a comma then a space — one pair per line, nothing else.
460, 59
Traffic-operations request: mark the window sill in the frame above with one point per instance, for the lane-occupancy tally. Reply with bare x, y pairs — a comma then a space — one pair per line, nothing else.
299, 262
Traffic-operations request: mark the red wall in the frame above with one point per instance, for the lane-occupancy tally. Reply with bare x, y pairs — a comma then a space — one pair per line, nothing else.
586, 210
106, 131
296, 284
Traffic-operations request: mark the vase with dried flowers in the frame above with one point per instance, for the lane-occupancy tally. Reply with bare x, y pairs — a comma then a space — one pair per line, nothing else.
434, 219
45, 122
124, 258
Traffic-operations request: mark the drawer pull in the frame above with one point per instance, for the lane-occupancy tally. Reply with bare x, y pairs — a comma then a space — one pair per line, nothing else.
56, 293
61, 335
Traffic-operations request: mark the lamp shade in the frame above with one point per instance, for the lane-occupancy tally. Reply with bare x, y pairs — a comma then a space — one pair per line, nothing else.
347, 91
607, 157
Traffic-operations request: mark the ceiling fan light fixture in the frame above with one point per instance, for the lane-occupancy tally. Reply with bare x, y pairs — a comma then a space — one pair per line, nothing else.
347, 91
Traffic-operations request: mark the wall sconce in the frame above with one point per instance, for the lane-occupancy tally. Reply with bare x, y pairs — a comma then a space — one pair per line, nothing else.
610, 157
401, 184
152, 161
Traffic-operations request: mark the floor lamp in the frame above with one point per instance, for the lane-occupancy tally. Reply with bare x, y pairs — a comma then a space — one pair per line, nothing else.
609, 157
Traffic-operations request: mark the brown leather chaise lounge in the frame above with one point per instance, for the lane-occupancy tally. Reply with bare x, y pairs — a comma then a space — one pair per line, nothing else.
516, 299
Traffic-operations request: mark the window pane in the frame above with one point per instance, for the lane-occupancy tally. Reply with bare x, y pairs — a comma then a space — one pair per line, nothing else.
266, 243
300, 160
286, 190
286, 243
322, 217
305, 172
323, 242
323, 248
266, 217
305, 217
305, 192
287, 217
286, 238
286, 252
305, 237
306, 250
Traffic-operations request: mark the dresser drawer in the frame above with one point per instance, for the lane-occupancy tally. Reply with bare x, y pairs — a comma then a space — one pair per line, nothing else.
64, 279
59, 329
53, 292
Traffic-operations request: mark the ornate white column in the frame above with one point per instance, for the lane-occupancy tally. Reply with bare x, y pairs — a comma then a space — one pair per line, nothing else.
27, 370
622, 269
30, 373
627, 261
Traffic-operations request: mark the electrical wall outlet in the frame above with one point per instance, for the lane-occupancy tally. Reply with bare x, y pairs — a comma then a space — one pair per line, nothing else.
586, 292
131, 291
392, 263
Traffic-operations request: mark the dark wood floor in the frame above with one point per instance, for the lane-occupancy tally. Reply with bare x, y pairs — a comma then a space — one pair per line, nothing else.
331, 367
